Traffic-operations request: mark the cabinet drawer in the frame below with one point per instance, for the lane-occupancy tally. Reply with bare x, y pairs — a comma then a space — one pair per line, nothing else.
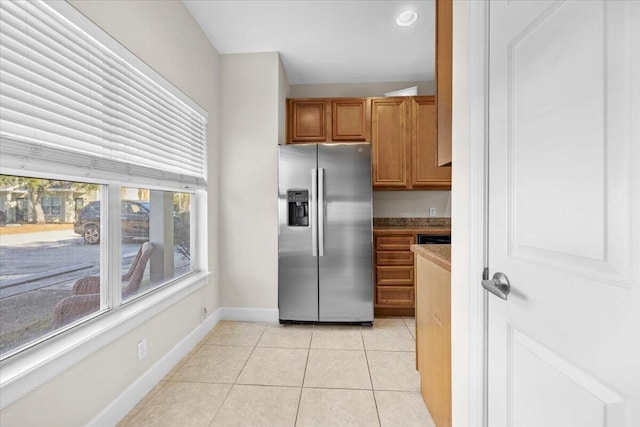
394, 258
394, 243
391, 275
395, 295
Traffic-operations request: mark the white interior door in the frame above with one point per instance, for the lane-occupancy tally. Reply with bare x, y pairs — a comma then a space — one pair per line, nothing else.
564, 213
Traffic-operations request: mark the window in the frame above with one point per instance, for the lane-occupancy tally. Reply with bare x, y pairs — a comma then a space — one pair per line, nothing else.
156, 237
50, 272
77, 103
41, 262
51, 205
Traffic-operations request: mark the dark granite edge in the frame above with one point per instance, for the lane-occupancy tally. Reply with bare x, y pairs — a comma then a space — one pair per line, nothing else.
412, 222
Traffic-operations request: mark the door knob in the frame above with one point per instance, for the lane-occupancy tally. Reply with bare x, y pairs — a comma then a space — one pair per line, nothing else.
499, 285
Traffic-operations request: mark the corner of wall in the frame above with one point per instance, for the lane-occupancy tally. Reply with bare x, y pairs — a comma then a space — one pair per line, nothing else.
252, 86
283, 93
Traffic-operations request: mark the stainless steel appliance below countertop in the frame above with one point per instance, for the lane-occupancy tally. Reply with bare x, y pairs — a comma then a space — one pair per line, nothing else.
434, 239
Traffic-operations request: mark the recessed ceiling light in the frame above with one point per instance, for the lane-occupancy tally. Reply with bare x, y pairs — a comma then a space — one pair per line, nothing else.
406, 18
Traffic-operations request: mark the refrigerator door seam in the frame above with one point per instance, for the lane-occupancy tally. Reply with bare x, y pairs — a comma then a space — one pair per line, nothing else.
321, 211
314, 215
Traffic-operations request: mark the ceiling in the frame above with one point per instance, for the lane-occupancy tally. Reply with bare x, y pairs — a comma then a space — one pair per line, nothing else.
323, 41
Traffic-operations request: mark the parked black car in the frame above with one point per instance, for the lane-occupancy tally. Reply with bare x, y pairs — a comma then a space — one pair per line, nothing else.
134, 217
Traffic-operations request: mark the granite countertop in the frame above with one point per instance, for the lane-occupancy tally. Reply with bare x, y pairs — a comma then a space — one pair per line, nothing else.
412, 225
438, 254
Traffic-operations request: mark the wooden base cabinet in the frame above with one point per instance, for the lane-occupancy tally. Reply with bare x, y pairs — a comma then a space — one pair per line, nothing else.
433, 338
394, 275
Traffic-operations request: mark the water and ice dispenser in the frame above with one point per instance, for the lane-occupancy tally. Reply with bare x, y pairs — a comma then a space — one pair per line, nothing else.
298, 208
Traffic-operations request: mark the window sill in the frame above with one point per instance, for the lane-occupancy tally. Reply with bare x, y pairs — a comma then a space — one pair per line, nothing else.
33, 367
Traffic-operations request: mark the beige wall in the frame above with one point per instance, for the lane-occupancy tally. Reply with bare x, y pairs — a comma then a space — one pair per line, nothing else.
358, 89
251, 85
283, 93
165, 36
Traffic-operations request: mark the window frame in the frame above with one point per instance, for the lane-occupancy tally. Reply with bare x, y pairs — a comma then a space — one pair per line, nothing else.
26, 367
111, 252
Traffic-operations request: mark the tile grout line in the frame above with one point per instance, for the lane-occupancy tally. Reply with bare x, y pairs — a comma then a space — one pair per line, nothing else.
149, 396
236, 379
223, 400
304, 374
375, 402
409, 329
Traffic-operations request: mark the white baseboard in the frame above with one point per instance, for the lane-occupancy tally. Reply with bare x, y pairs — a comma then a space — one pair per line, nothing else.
128, 399
269, 315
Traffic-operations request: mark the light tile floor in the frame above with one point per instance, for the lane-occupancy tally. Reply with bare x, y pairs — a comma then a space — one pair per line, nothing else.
256, 374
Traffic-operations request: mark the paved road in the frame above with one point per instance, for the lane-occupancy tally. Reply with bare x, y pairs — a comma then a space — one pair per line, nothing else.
28, 290
26, 260
21, 239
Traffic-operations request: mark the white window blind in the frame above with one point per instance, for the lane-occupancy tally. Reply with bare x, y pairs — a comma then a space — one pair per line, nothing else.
70, 94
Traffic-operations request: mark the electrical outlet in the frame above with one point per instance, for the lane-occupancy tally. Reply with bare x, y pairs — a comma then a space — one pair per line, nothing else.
432, 211
203, 313
142, 349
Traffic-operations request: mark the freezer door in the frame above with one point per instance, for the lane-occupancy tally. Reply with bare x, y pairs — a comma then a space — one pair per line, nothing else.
345, 238
297, 264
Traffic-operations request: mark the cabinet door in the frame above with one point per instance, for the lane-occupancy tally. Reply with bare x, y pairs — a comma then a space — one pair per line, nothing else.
425, 171
350, 120
309, 120
444, 49
389, 139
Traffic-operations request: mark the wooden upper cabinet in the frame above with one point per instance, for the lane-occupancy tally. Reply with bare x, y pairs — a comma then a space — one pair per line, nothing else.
309, 120
444, 47
327, 120
403, 131
425, 171
390, 143
350, 120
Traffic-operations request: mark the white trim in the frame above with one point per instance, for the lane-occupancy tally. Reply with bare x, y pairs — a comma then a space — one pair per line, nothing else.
468, 217
269, 315
128, 399
478, 69
33, 367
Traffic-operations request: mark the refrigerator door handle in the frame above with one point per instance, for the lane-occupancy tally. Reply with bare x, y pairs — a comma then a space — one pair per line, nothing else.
321, 211
313, 213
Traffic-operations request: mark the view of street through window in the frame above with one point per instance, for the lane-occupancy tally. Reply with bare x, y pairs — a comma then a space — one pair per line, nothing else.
50, 269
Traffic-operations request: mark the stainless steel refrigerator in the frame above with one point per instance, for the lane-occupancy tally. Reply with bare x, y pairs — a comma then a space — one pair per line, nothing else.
325, 233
